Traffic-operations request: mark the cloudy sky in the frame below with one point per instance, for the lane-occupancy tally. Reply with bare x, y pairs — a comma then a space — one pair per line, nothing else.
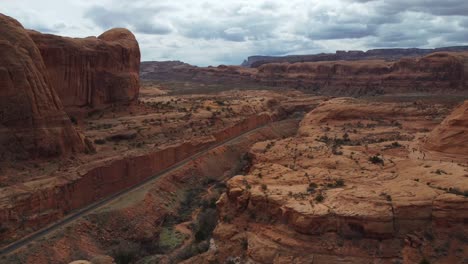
213, 32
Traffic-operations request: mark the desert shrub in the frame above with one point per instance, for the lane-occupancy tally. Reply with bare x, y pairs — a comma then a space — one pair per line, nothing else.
245, 244
319, 198
205, 225
73, 120
264, 187
99, 141
386, 196
376, 160
312, 187
337, 183
457, 191
440, 172
125, 252
424, 261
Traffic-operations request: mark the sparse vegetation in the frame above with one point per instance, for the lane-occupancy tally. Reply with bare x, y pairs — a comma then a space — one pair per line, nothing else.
170, 239
424, 261
125, 252
387, 197
312, 187
99, 141
376, 160
336, 184
457, 191
319, 198
74, 120
439, 172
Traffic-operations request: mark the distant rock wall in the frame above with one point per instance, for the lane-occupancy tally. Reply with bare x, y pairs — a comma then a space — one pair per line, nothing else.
92, 71
435, 73
32, 120
352, 55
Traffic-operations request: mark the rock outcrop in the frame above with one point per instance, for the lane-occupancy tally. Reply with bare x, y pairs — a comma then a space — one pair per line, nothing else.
435, 73
451, 136
32, 120
352, 55
92, 71
350, 187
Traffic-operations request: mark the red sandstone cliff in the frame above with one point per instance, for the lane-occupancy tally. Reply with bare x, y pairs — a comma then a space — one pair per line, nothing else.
451, 136
438, 72
92, 71
32, 120
40, 202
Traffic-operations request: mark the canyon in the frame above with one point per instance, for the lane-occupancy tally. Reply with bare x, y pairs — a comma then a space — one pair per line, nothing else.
355, 185
437, 73
353, 157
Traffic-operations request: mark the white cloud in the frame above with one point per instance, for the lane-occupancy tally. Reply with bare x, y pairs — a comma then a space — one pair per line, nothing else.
215, 32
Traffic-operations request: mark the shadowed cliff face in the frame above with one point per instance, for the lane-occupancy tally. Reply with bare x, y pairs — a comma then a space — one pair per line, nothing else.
32, 120
92, 71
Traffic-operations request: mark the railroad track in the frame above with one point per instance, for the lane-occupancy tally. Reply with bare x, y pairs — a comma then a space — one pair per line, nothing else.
94, 206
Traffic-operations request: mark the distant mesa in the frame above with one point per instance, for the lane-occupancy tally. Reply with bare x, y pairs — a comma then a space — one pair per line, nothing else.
436, 73
380, 54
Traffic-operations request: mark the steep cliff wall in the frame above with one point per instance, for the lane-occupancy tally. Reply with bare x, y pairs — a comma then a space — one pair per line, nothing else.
435, 73
32, 120
352, 55
138, 216
35, 204
92, 71
451, 136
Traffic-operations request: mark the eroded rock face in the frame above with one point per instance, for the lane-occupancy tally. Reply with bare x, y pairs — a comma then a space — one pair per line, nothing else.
438, 73
352, 55
351, 187
32, 120
451, 136
92, 71
435, 73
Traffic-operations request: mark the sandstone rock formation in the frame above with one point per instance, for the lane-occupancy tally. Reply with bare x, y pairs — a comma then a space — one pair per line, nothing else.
451, 136
92, 71
32, 120
383, 54
350, 188
435, 73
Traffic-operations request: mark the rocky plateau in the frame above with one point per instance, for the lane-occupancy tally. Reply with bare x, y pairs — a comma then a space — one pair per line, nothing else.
353, 157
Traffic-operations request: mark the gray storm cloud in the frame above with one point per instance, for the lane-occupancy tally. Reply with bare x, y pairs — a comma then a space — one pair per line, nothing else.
225, 32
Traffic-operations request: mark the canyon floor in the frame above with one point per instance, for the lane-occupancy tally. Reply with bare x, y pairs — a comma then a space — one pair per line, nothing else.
338, 180
129, 144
